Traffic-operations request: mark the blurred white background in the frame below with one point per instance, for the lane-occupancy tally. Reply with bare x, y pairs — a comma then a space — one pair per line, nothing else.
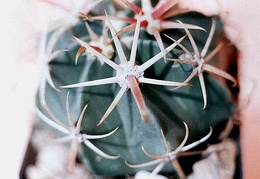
21, 24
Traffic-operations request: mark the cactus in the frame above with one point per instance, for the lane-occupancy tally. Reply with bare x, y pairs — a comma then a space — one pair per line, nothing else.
138, 91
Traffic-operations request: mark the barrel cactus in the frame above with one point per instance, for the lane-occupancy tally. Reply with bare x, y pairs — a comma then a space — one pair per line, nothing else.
128, 85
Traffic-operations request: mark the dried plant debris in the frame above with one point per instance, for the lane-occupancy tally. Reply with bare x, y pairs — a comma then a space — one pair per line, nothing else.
219, 161
52, 158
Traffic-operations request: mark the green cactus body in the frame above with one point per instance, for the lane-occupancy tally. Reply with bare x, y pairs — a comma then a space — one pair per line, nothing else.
167, 108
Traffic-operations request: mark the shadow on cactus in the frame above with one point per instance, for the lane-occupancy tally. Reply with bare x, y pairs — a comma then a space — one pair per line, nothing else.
132, 89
